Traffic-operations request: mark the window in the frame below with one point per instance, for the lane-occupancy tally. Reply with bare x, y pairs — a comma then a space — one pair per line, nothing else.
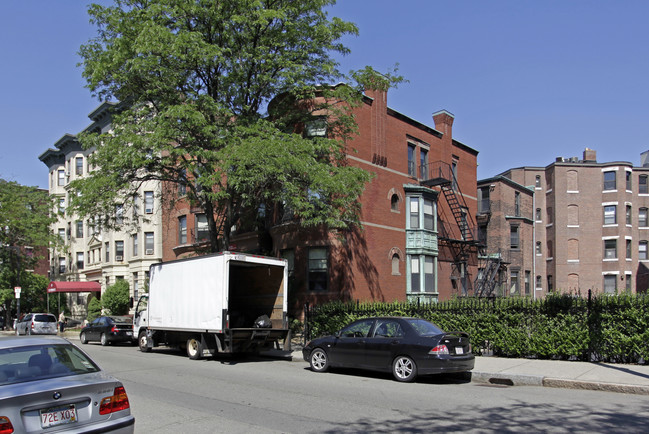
642, 217
136, 286
642, 184
517, 204
148, 243
148, 202
414, 213
628, 249
119, 214
79, 260
610, 281
317, 268
609, 180
61, 265
539, 282
423, 164
79, 165
62, 205
550, 249
182, 230
107, 250
62, 234
609, 214
429, 274
629, 182
316, 127
136, 206
454, 173
550, 215
628, 215
395, 265
482, 234
182, 183
550, 283
513, 282
79, 229
642, 250
538, 248
610, 249
135, 245
483, 200
537, 183
411, 160
119, 251
537, 217
61, 177
415, 281
429, 217
514, 237
202, 229
394, 202
528, 277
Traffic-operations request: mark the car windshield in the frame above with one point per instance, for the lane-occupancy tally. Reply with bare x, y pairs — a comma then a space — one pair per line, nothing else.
425, 328
38, 362
44, 318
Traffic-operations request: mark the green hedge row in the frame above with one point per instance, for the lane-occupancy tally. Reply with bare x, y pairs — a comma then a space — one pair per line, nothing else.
605, 328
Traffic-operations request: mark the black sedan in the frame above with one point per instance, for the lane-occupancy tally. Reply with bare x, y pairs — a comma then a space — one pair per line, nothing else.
108, 329
407, 347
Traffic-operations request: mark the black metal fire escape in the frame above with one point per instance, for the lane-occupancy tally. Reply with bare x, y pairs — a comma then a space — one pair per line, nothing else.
460, 237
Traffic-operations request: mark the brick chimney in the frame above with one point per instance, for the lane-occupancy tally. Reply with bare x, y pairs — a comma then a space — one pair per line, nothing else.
444, 122
590, 156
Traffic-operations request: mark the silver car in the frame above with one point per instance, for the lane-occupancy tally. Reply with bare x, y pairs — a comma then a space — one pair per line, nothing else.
48, 384
36, 324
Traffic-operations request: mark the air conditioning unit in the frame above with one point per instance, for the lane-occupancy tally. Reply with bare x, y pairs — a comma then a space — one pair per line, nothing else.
149, 251
119, 258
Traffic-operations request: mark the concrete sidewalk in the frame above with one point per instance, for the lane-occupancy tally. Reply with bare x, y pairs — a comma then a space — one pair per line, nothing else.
610, 377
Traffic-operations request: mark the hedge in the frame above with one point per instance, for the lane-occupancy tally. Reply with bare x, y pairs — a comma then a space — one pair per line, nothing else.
611, 328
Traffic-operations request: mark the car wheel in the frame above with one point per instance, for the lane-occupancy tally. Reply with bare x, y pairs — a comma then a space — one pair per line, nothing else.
404, 369
83, 338
104, 339
143, 342
319, 360
194, 349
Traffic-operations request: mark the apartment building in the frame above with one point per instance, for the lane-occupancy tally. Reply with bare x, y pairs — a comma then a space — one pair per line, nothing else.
591, 225
91, 254
505, 222
418, 237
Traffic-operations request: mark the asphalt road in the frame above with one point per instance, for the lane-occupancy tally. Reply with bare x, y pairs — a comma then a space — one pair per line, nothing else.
170, 393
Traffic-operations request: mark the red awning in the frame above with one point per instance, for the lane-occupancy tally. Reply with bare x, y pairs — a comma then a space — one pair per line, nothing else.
74, 287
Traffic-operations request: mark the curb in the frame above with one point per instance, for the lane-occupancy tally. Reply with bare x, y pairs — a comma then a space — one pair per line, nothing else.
600, 386
506, 379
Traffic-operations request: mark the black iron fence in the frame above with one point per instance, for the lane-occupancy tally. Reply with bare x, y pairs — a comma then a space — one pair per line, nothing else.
612, 328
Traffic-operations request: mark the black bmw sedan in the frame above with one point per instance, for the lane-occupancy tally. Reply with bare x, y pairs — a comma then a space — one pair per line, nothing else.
407, 347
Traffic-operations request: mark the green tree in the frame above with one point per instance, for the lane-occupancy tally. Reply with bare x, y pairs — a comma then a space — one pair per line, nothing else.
195, 79
116, 298
25, 216
94, 309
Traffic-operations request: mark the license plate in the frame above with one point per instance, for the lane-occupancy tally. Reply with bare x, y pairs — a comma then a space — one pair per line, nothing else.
58, 415
459, 350
129, 333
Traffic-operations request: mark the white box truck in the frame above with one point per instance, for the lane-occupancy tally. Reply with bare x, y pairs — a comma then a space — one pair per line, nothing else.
220, 303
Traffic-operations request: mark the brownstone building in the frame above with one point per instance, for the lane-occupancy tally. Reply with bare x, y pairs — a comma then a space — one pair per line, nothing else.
591, 224
418, 238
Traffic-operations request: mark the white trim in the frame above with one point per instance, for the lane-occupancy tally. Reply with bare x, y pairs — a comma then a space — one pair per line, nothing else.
572, 226
548, 191
610, 169
610, 260
610, 226
610, 273
572, 191
611, 238
573, 261
609, 203
391, 228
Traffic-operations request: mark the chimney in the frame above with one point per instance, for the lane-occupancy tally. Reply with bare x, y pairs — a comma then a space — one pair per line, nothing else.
444, 122
590, 156
644, 159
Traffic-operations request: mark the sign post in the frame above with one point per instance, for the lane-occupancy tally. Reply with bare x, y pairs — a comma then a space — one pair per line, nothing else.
17, 290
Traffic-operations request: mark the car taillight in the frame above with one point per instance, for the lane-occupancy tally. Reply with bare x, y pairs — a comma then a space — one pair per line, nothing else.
117, 402
440, 349
113, 329
5, 425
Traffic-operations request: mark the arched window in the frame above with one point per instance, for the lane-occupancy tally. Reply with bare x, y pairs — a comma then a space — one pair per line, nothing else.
395, 265
394, 202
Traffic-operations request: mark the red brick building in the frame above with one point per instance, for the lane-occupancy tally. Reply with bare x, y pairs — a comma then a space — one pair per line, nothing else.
417, 241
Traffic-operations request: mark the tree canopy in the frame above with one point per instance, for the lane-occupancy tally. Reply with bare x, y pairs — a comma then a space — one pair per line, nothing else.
194, 79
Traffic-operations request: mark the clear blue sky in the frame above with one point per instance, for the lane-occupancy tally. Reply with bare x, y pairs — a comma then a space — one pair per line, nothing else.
527, 81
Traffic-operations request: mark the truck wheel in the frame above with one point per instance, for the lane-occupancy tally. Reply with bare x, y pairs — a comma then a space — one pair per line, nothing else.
194, 348
143, 342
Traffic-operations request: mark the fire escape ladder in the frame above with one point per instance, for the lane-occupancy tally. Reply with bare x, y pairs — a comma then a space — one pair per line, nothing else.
486, 281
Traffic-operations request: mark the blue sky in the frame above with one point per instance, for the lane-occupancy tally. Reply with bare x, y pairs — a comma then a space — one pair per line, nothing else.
527, 81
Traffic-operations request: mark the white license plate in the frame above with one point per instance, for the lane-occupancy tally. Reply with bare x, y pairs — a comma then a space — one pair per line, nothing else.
459, 350
129, 333
58, 415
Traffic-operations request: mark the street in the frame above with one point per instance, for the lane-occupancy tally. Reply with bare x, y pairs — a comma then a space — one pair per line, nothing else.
170, 393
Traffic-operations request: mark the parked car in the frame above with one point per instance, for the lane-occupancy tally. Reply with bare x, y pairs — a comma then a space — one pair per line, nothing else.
108, 329
36, 324
407, 347
48, 384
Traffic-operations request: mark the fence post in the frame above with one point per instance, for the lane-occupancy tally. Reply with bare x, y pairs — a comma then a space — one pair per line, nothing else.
589, 351
307, 328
